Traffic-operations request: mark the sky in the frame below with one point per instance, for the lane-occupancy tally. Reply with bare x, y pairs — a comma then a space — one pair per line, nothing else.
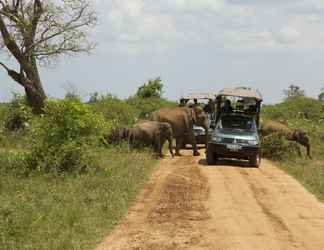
194, 46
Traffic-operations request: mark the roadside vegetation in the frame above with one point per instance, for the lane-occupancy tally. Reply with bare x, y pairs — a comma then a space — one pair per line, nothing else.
61, 186
298, 111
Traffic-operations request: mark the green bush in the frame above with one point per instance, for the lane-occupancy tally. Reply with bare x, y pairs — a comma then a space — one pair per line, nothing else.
13, 162
277, 147
145, 106
115, 110
63, 137
3, 113
297, 108
18, 114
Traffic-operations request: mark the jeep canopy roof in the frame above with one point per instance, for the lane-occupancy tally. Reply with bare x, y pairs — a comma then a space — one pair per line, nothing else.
242, 92
209, 96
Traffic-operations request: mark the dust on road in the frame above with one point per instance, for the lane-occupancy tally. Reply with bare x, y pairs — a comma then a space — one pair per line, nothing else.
188, 205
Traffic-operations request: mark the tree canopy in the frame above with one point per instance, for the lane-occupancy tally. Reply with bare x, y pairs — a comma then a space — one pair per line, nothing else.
35, 32
294, 91
152, 89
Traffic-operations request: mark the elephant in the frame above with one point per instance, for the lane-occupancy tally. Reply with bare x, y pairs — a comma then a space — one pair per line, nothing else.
152, 133
117, 135
297, 135
181, 120
144, 134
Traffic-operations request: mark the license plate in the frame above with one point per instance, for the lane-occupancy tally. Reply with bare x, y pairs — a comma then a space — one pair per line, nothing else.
233, 147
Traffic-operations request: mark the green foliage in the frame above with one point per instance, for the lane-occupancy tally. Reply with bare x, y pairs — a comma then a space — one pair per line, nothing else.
3, 113
18, 114
294, 91
299, 108
43, 205
13, 162
145, 106
152, 89
74, 211
125, 113
117, 111
321, 97
94, 97
63, 137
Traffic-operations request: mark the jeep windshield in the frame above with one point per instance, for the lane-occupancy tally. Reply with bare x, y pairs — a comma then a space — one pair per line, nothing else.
236, 123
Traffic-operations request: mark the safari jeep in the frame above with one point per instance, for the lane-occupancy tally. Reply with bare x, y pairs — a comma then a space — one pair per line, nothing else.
235, 131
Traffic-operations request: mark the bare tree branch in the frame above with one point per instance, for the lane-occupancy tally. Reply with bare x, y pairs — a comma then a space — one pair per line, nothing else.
38, 31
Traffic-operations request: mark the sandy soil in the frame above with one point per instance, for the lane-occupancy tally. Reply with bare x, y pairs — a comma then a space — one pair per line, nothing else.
188, 205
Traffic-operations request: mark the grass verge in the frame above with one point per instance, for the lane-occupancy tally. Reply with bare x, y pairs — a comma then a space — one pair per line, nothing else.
309, 173
70, 212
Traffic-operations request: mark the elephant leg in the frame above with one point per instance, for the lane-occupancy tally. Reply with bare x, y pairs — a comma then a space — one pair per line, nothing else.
171, 146
194, 144
179, 141
158, 145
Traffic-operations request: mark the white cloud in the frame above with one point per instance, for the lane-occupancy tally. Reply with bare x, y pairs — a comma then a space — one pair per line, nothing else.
288, 35
137, 26
198, 5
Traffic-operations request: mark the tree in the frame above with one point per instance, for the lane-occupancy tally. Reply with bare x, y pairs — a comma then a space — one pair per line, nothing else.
35, 32
94, 97
321, 95
294, 91
152, 89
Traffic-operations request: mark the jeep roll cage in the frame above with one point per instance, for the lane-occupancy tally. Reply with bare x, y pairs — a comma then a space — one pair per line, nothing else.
249, 99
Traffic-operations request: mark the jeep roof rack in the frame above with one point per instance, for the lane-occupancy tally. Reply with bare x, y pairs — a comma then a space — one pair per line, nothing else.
243, 92
199, 96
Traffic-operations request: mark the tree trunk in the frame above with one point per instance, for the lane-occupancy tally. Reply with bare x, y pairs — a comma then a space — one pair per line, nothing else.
35, 93
35, 99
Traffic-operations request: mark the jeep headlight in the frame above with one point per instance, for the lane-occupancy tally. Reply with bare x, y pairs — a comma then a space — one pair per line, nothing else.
253, 142
216, 138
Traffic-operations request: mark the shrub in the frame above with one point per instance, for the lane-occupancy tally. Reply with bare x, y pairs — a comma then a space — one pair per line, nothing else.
63, 137
3, 112
277, 147
18, 114
297, 108
125, 113
146, 106
116, 111
13, 162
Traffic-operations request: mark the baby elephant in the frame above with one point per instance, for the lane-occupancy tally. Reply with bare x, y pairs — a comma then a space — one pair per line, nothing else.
117, 135
152, 133
144, 134
291, 134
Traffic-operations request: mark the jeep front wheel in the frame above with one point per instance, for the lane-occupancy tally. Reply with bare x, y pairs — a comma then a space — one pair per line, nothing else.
210, 157
255, 160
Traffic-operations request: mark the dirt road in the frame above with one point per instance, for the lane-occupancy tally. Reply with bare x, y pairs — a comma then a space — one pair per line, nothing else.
188, 205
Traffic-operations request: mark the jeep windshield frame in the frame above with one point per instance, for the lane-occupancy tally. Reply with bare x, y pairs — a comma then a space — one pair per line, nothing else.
236, 123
